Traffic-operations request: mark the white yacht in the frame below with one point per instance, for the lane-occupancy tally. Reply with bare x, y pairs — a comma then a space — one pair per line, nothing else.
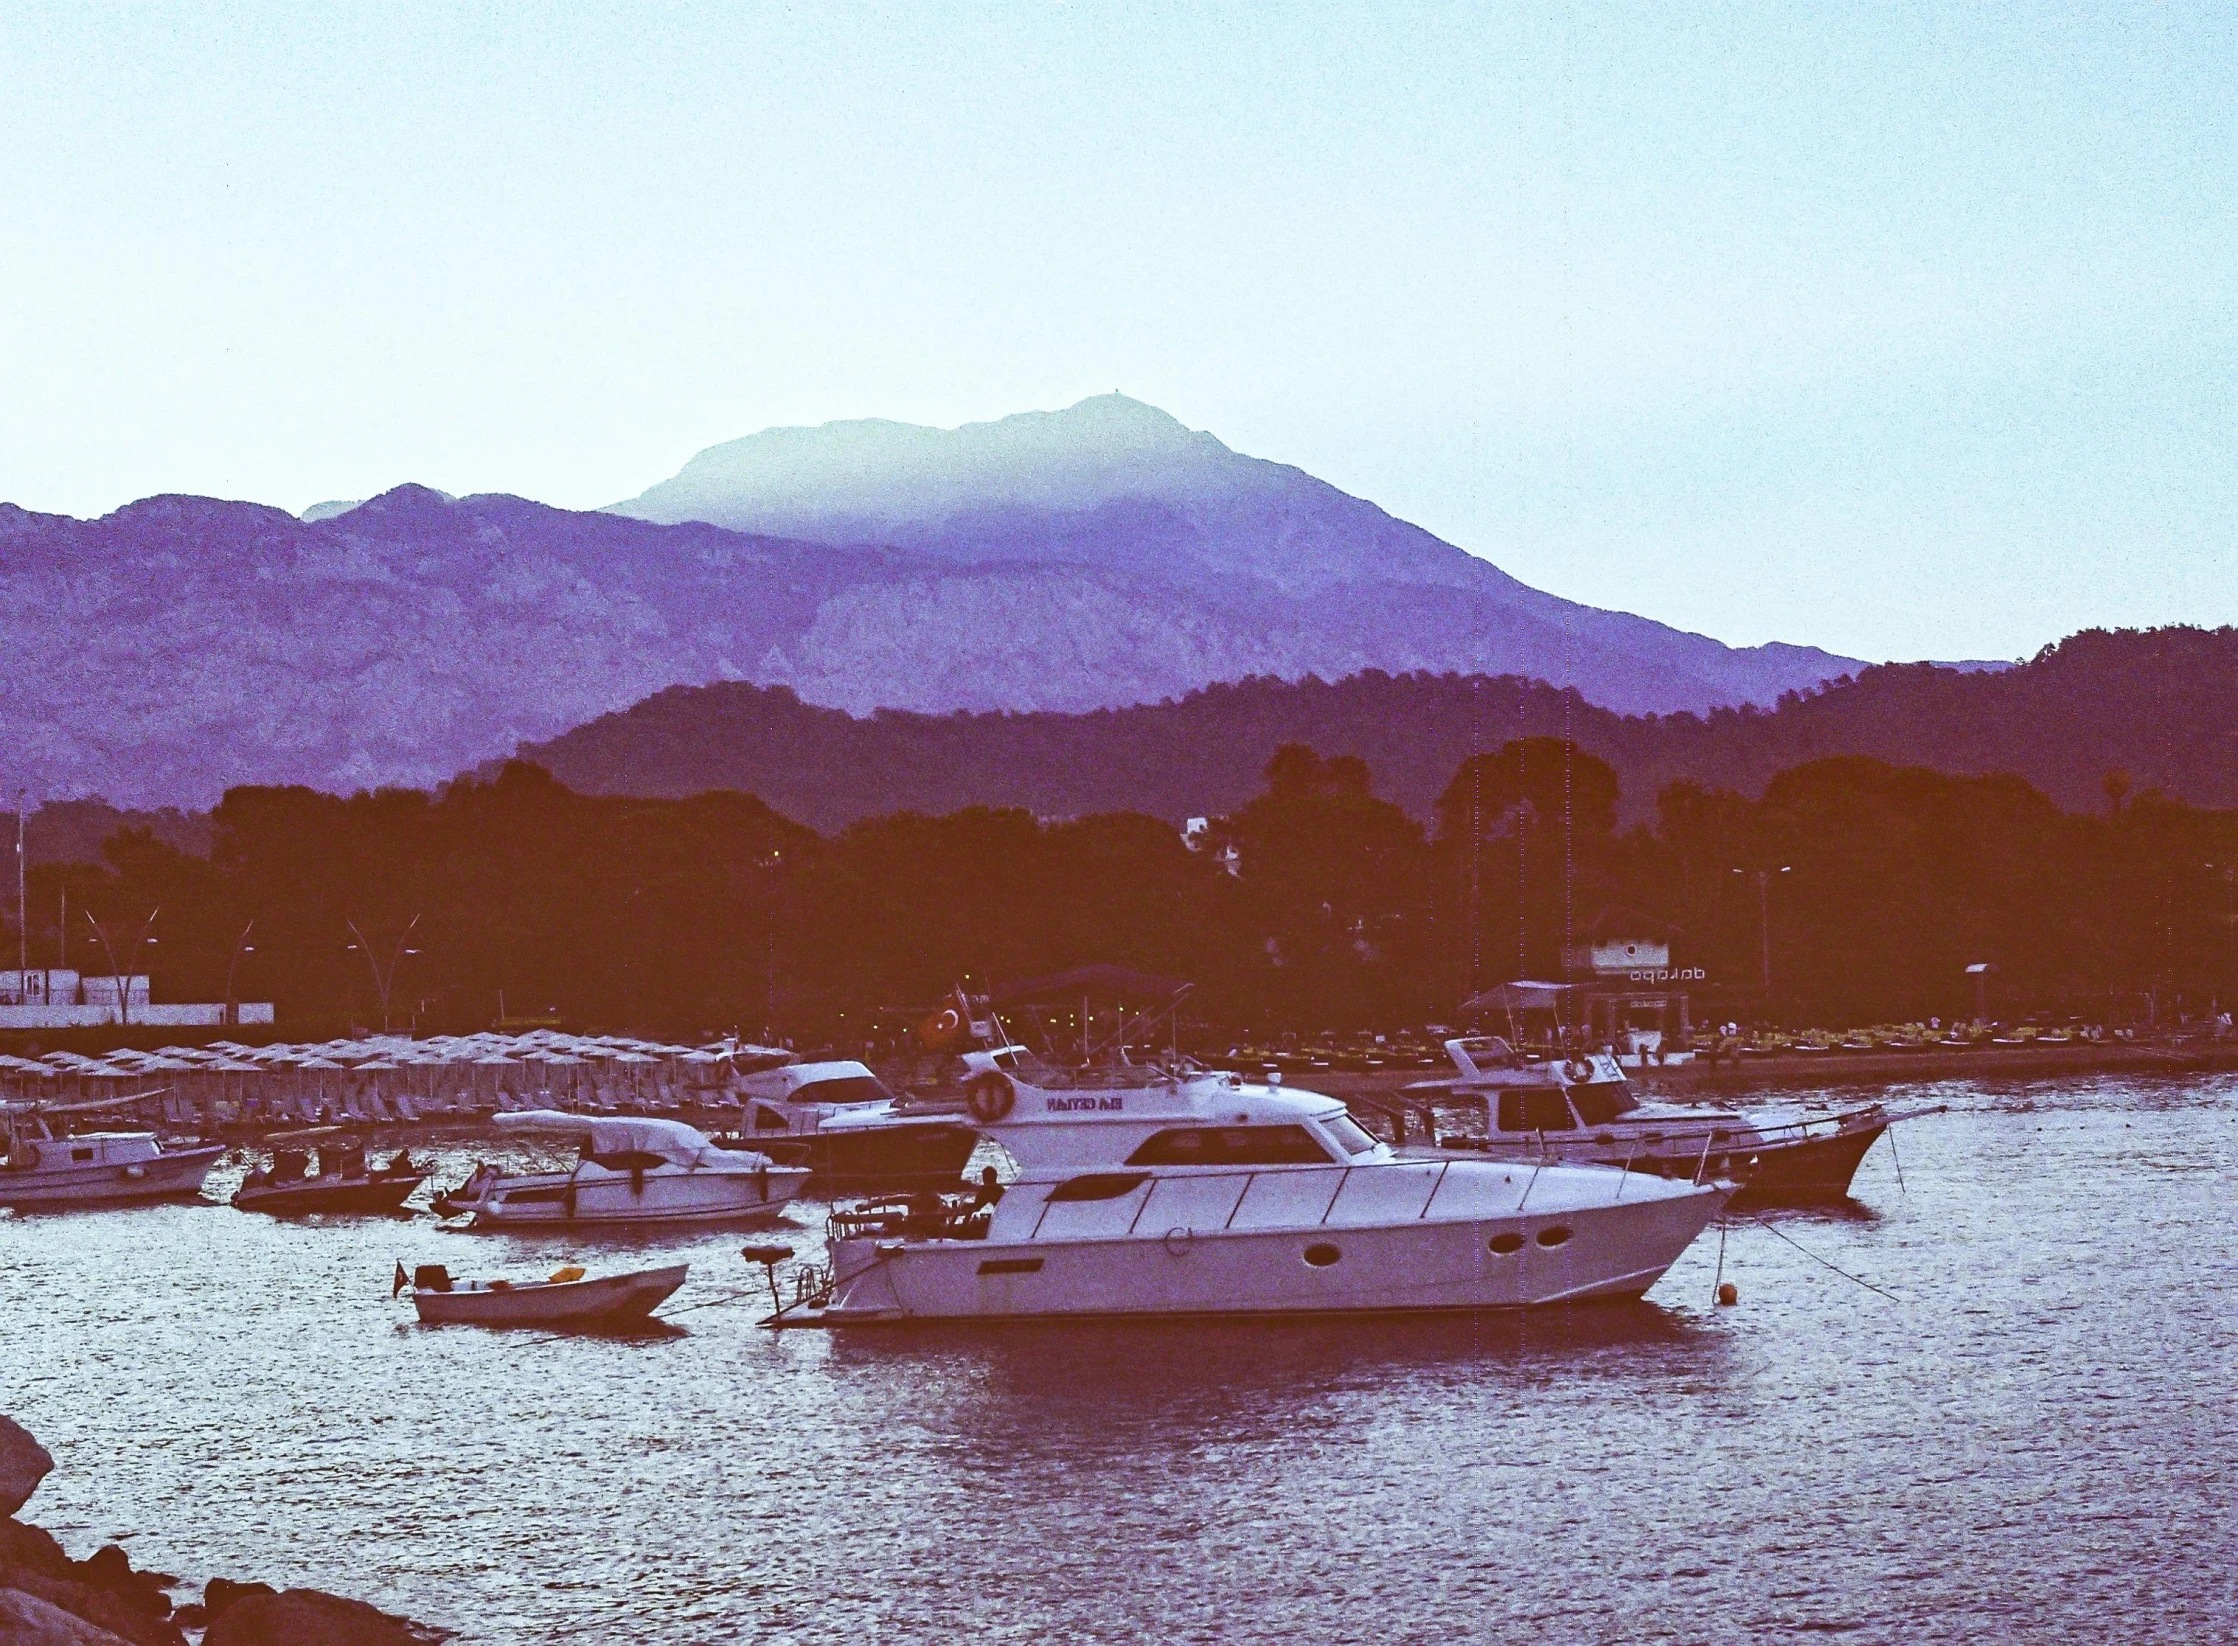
1580, 1108
1146, 1191
47, 1170
628, 1170
839, 1120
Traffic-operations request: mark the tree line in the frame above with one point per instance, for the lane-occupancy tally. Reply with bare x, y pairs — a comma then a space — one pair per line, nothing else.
2158, 705
1864, 889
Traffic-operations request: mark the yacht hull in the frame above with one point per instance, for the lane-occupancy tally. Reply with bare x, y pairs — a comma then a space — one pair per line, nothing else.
878, 1159
1785, 1172
172, 1175
1819, 1169
1602, 1252
363, 1196
553, 1200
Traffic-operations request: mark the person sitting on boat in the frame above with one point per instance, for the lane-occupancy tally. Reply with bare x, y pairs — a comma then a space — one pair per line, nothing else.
984, 1198
928, 1215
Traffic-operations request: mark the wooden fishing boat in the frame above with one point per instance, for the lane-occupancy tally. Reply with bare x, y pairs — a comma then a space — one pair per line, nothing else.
324, 1170
568, 1298
48, 1169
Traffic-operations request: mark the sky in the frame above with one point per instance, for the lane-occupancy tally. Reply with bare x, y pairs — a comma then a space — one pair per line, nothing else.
1907, 331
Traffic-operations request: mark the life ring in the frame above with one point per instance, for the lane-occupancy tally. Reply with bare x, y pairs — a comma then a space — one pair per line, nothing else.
1578, 1068
989, 1097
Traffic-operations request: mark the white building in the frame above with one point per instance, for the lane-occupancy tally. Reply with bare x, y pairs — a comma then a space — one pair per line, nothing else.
53, 997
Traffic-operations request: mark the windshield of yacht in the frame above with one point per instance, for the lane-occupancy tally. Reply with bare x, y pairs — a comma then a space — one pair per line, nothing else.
1601, 1101
853, 1088
1230, 1146
1351, 1136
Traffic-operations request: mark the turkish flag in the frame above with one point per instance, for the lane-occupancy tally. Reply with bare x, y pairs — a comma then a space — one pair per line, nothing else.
947, 1030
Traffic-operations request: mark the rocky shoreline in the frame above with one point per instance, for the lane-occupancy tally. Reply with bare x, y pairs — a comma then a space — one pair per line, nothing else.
49, 1599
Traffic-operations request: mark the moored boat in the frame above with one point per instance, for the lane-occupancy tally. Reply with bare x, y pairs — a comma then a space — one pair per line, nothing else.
568, 1297
839, 1120
1579, 1108
1178, 1191
627, 1170
325, 1170
46, 1169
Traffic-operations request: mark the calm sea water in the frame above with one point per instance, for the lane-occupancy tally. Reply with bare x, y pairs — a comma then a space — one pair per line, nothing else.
2033, 1439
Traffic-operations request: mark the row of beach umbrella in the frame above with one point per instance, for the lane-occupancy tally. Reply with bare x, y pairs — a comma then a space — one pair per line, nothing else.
394, 1077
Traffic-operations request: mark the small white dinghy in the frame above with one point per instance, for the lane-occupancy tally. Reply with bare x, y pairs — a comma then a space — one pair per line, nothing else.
568, 1298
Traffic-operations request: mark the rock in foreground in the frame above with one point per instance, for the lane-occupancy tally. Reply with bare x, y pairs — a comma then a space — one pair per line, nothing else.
23, 1464
26, 1620
306, 1617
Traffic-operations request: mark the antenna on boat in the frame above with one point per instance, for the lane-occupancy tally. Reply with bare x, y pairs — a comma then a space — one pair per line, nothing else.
1171, 1010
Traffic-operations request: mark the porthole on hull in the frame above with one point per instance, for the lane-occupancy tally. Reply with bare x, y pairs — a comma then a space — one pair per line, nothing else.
1506, 1244
1553, 1236
1321, 1254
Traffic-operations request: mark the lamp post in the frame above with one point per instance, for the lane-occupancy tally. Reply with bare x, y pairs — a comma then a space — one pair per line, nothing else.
383, 977
1764, 919
769, 866
2227, 873
241, 947
119, 978
23, 908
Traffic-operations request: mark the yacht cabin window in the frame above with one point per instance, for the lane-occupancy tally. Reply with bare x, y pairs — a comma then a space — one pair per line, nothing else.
1351, 1136
767, 1119
1231, 1146
1601, 1101
1533, 1109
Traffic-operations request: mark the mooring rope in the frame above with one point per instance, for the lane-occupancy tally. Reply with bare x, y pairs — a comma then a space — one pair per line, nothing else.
1815, 1258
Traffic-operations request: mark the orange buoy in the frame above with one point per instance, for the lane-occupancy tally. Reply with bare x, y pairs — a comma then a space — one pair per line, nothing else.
1728, 1295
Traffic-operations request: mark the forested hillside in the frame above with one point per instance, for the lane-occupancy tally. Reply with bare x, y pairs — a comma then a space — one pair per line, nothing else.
2155, 709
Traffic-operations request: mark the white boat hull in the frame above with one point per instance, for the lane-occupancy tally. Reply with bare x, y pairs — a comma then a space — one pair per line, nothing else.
1610, 1251
172, 1175
612, 1300
555, 1200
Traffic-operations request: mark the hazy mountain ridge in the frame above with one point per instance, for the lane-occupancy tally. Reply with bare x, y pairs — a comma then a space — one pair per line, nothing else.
181, 645
1059, 561
1122, 488
2160, 705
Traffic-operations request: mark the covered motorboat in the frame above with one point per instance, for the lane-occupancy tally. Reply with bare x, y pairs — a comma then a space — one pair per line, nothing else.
840, 1121
627, 1170
325, 1170
47, 1169
1580, 1108
1179, 1191
569, 1298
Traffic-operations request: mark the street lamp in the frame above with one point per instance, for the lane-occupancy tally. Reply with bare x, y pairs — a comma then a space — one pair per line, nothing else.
23, 909
119, 978
383, 977
1764, 918
241, 946
769, 866
2227, 873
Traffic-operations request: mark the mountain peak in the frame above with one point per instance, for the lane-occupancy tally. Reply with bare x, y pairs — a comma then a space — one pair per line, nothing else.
864, 476
409, 498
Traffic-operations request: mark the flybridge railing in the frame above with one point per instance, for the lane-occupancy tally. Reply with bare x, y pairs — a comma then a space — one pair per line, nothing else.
1108, 1077
1252, 1175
